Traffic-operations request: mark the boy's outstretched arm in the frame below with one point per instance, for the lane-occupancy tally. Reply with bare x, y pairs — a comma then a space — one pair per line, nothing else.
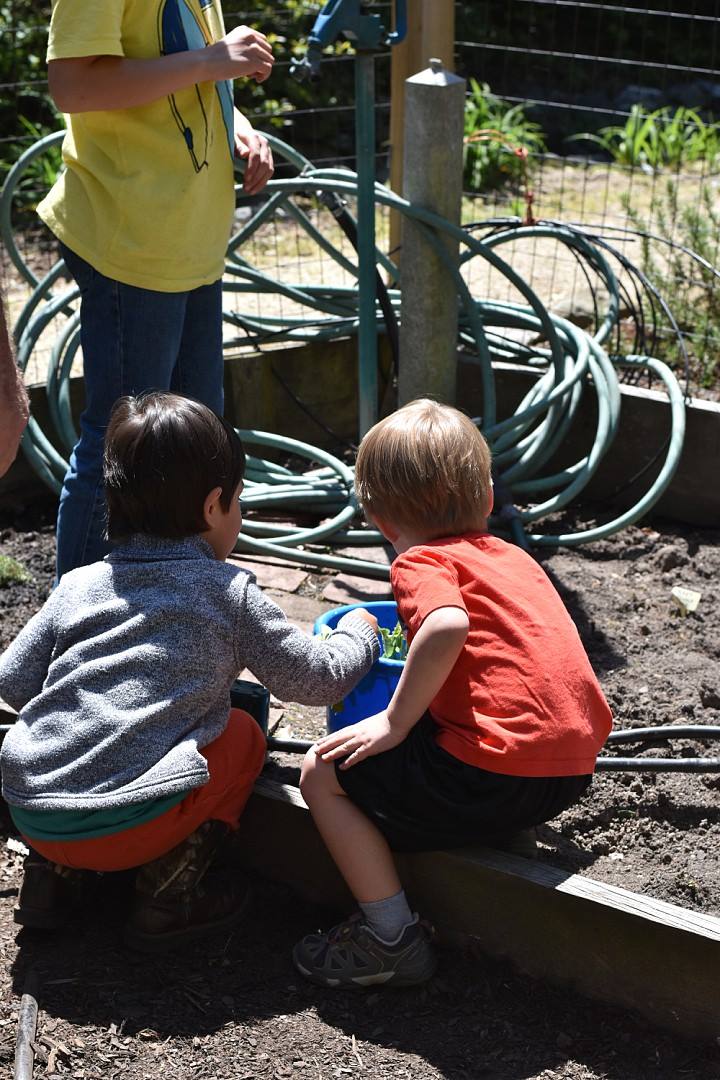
431, 658
294, 665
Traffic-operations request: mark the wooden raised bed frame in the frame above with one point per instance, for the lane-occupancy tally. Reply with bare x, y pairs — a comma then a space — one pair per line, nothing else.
623, 948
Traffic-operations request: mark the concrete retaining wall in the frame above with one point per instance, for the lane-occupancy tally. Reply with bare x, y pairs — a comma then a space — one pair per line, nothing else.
283, 390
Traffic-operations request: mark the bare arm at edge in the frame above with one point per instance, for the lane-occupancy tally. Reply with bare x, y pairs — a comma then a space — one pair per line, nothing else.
103, 83
14, 409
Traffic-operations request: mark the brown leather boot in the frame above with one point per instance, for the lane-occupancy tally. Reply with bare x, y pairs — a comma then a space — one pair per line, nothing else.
50, 893
178, 898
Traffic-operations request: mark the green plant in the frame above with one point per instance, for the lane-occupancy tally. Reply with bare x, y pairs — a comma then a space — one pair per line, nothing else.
12, 572
498, 139
690, 286
395, 645
659, 138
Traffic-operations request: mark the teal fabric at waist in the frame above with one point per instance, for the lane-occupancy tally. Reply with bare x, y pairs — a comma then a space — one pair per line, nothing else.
87, 824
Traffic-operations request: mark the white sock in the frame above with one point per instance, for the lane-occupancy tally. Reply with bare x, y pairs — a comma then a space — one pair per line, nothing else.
388, 918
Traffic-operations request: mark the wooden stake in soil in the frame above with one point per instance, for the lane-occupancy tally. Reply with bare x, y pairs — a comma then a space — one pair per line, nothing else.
27, 1026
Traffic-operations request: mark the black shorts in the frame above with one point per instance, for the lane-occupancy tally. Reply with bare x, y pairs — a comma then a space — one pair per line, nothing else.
424, 799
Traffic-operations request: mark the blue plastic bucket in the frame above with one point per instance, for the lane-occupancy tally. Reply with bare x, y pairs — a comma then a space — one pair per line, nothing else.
372, 694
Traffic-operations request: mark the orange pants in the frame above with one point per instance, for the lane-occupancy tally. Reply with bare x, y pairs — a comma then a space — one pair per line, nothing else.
234, 761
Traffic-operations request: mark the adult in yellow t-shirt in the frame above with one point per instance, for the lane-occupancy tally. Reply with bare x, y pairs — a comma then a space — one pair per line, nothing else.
144, 208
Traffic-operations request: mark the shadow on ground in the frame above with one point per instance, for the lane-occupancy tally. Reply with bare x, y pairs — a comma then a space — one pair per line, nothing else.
478, 1018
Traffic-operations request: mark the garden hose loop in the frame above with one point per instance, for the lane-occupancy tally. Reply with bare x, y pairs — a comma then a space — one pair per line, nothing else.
565, 364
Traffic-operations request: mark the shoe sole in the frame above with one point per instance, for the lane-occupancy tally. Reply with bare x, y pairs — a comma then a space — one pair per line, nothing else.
364, 982
159, 943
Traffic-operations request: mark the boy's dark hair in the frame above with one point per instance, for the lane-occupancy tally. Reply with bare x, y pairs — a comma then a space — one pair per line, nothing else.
163, 455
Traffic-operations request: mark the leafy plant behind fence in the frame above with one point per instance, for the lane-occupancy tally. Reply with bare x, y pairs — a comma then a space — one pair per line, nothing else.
42, 172
494, 132
657, 139
691, 288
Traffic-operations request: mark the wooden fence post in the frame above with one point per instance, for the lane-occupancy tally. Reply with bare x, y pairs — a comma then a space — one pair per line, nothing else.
431, 32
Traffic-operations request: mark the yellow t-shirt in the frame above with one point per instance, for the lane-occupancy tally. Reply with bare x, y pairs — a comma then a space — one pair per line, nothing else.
147, 195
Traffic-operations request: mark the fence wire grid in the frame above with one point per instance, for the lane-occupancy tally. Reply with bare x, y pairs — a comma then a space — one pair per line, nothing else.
573, 67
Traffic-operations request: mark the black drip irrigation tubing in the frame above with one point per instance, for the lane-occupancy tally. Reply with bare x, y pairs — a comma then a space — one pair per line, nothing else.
661, 734
289, 746
651, 765
604, 764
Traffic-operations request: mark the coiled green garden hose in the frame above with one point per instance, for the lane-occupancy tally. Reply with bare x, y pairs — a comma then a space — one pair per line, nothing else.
568, 365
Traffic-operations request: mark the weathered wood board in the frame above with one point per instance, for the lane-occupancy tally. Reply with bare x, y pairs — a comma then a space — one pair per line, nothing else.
658, 959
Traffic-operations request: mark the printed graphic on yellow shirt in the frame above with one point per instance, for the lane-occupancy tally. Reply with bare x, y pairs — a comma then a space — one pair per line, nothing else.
180, 29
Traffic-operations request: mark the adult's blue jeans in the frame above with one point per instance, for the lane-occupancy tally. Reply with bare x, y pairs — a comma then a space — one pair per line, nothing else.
133, 340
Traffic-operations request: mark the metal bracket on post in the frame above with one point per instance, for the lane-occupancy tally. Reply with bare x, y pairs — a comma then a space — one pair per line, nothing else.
368, 34
347, 17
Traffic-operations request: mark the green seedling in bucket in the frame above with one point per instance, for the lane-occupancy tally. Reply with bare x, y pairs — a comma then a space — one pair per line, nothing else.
394, 642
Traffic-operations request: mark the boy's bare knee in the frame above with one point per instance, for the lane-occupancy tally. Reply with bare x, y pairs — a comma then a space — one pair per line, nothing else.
307, 771
317, 776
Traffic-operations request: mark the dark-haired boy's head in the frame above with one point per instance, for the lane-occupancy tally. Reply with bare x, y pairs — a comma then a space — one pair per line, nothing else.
163, 454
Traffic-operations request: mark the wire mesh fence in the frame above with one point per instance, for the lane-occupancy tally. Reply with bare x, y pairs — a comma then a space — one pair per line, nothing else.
625, 96
573, 68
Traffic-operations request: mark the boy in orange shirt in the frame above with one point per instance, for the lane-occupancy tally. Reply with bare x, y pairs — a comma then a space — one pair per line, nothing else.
497, 719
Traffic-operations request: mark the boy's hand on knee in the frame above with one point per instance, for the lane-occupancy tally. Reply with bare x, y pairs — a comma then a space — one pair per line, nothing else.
358, 741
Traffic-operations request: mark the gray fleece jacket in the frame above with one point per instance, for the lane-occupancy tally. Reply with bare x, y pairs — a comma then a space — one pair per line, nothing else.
126, 671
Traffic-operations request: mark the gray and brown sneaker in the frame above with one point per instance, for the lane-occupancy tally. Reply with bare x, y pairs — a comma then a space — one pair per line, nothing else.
180, 898
352, 955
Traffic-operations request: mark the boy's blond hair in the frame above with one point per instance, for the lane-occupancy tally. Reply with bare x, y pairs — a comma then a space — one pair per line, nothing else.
426, 467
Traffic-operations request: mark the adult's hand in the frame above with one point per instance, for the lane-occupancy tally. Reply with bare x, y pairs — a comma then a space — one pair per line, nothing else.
14, 414
254, 148
243, 53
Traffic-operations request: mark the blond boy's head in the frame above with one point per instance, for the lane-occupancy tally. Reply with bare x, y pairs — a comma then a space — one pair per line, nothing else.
425, 468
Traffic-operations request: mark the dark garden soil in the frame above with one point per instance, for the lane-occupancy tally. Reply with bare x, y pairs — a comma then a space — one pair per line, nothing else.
235, 1008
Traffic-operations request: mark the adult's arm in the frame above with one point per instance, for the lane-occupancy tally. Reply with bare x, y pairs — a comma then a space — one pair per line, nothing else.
103, 83
14, 409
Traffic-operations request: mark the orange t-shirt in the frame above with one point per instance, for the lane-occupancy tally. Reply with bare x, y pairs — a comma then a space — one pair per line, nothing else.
522, 698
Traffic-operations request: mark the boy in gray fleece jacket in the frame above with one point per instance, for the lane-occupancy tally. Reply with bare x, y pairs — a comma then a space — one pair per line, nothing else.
125, 752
